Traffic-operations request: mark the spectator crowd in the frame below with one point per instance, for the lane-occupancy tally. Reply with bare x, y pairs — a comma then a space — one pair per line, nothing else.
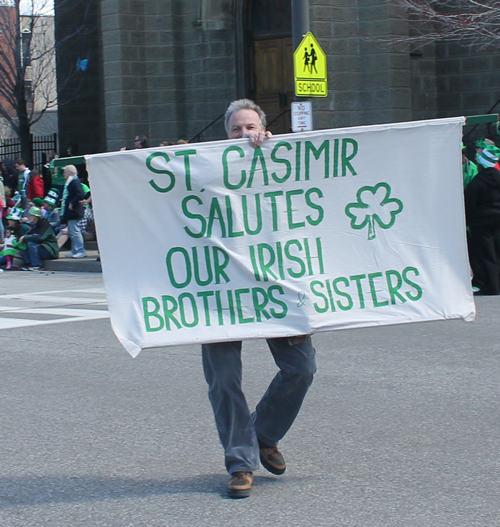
34, 224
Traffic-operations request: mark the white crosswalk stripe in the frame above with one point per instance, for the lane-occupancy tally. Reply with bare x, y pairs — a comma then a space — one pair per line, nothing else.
52, 307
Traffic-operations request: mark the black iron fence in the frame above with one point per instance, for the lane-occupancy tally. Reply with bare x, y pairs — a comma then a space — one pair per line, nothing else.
41, 148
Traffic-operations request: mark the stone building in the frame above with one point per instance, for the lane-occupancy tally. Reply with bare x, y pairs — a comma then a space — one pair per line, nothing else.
168, 68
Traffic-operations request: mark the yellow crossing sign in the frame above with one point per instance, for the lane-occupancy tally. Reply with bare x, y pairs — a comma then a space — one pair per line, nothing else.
309, 62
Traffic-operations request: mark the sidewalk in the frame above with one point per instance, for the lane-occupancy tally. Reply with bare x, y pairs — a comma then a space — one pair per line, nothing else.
76, 265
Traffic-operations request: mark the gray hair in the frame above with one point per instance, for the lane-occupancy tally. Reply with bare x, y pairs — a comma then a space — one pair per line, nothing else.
244, 104
71, 169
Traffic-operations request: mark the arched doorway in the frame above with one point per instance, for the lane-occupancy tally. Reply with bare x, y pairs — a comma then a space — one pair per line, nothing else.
269, 26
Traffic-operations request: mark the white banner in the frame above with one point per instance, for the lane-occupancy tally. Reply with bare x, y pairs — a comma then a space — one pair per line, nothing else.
315, 231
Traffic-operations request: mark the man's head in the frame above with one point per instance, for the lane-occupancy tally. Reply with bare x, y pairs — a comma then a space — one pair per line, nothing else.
19, 164
69, 171
243, 116
34, 214
140, 141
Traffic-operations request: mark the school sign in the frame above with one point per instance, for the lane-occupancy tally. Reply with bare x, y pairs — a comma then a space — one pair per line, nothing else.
311, 232
310, 69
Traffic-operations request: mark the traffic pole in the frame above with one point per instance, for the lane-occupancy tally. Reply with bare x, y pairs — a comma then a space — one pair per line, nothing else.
300, 26
300, 21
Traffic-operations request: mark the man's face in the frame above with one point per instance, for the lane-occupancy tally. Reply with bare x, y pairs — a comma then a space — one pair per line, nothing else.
137, 142
18, 167
243, 121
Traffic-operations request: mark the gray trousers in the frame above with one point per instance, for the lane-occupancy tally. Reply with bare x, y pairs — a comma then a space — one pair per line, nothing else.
274, 415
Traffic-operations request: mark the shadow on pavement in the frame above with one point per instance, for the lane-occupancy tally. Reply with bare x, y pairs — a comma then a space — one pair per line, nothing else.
33, 490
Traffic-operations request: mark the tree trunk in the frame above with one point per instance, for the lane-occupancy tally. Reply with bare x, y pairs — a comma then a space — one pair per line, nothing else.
25, 135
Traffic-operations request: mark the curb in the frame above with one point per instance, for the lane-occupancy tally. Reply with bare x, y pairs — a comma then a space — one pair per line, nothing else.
90, 264
72, 265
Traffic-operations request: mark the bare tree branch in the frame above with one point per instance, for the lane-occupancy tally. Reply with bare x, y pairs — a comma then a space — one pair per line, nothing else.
468, 22
27, 62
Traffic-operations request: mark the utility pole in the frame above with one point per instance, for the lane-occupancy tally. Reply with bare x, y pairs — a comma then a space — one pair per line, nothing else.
300, 26
300, 21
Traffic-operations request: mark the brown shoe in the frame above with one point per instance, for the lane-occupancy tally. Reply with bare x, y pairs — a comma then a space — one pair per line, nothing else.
272, 459
240, 485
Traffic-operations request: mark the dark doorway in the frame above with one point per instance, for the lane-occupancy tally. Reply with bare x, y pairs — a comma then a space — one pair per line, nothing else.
272, 61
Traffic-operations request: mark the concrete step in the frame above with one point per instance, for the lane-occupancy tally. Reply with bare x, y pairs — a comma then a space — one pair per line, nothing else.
75, 265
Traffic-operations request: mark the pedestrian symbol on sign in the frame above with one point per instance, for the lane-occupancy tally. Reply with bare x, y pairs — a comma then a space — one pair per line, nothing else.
309, 62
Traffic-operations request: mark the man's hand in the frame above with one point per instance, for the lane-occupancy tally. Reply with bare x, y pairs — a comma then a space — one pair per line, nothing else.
257, 138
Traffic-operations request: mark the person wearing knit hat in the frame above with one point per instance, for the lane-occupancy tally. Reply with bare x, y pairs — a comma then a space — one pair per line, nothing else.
481, 144
54, 195
482, 210
488, 157
49, 200
469, 168
52, 212
41, 242
16, 229
15, 214
72, 211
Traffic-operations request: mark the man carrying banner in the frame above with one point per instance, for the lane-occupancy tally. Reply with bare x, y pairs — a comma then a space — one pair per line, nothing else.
248, 437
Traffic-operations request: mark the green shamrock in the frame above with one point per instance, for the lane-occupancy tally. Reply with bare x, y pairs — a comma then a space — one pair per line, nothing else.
374, 205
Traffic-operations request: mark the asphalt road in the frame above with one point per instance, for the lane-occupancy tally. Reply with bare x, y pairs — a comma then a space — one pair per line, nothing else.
400, 428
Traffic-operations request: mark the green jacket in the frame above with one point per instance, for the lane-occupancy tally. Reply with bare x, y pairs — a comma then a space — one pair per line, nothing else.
44, 234
57, 174
469, 170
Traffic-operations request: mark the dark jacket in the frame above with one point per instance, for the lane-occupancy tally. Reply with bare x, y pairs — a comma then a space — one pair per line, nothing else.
75, 195
43, 234
9, 176
482, 199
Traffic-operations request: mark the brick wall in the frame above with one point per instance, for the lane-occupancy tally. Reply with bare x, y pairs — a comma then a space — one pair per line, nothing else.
368, 83
168, 68
165, 75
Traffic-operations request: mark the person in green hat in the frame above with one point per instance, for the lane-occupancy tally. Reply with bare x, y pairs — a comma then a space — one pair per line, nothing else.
481, 144
482, 210
469, 168
8, 249
41, 242
52, 212
17, 229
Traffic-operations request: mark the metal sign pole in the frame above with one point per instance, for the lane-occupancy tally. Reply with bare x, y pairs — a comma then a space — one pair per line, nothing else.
300, 26
300, 21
